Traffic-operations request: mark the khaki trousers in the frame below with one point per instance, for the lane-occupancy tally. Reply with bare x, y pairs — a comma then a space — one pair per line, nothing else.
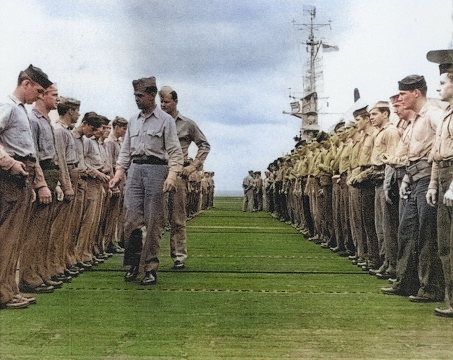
178, 217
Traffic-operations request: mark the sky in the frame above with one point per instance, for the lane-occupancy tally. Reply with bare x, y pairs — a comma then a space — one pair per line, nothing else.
233, 63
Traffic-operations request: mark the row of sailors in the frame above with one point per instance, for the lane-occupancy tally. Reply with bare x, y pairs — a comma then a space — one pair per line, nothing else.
58, 215
381, 193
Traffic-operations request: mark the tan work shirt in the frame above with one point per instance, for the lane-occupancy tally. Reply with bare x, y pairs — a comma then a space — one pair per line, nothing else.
419, 135
385, 142
443, 146
366, 147
188, 132
345, 158
153, 135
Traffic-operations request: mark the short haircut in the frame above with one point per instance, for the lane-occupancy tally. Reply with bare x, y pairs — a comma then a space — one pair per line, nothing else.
119, 121
22, 77
92, 119
384, 109
63, 108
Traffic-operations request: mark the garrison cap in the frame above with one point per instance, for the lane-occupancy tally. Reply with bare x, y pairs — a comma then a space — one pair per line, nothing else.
379, 104
322, 136
394, 98
67, 101
442, 57
144, 83
38, 76
412, 82
361, 112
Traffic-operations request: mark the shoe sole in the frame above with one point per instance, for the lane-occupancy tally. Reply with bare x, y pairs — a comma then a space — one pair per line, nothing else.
448, 315
148, 283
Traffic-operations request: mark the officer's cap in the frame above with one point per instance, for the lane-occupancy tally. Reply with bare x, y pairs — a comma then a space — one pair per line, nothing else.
442, 57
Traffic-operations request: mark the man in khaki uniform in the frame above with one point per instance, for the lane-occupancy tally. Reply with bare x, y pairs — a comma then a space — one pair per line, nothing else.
39, 254
386, 214
17, 186
360, 178
440, 191
247, 186
188, 132
70, 181
114, 213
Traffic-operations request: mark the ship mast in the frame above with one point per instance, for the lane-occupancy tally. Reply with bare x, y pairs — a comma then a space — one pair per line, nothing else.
307, 107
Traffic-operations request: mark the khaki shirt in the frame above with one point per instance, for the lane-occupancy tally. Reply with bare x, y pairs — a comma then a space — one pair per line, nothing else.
43, 135
385, 142
153, 135
419, 135
15, 132
92, 152
16, 135
66, 153
366, 147
354, 158
345, 158
113, 146
188, 132
78, 142
443, 146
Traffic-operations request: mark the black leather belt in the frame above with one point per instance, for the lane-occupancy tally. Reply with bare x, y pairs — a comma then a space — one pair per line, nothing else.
400, 172
379, 167
48, 165
444, 163
151, 160
24, 158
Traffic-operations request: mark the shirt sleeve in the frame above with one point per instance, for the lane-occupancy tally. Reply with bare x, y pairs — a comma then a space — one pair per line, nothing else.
172, 146
202, 143
124, 158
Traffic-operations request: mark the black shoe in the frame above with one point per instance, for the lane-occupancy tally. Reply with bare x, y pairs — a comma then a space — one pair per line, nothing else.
178, 265
76, 269
30, 299
85, 265
55, 284
15, 303
444, 312
392, 291
150, 278
68, 272
131, 274
40, 289
61, 277
385, 276
421, 299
